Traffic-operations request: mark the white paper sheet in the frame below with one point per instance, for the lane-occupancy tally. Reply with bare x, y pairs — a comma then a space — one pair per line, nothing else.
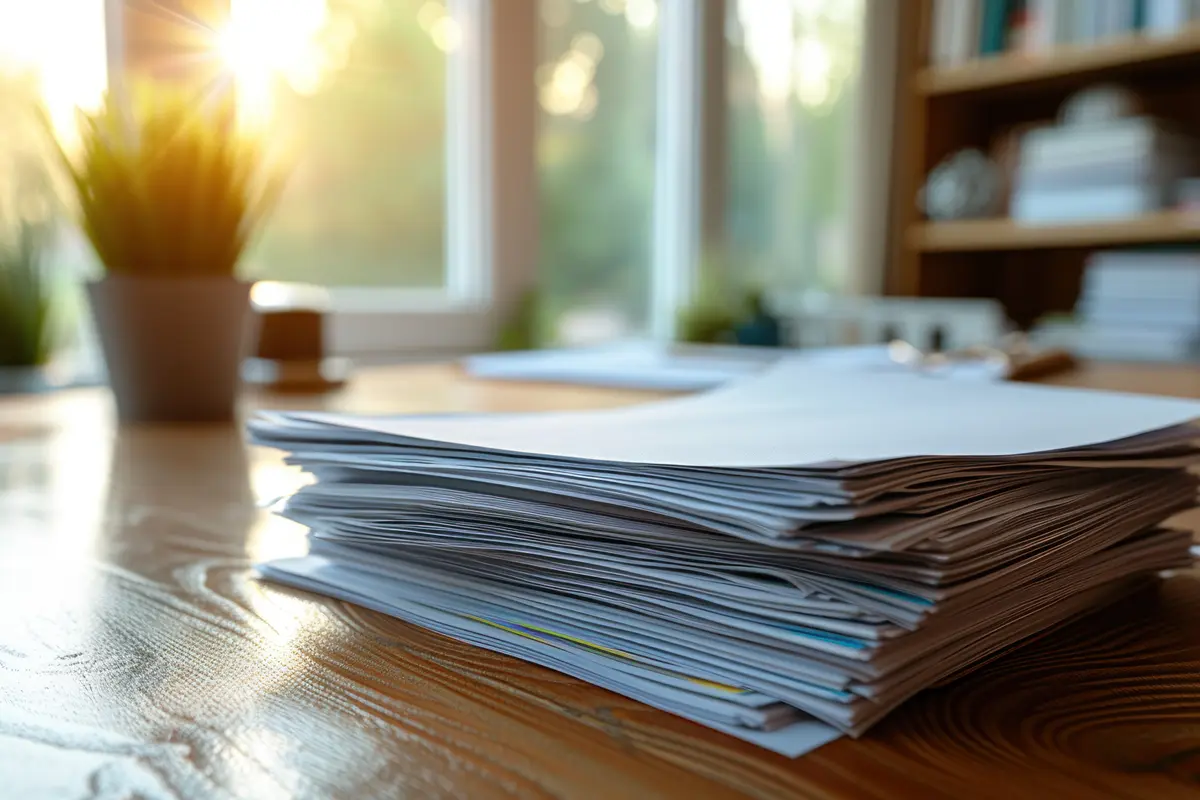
319, 574
819, 542
796, 414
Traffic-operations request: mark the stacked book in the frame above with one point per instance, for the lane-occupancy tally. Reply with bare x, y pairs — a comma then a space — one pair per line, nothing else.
786, 558
1114, 170
1140, 306
962, 30
1168, 17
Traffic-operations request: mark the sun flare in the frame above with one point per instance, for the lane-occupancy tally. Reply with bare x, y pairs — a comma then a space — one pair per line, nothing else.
269, 42
61, 43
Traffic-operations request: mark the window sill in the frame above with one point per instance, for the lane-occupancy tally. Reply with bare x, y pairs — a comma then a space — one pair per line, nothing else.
395, 329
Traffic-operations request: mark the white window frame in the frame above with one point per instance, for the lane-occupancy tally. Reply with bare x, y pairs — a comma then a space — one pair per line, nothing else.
483, 280
492, 250
679, 174
491, 226
460, 315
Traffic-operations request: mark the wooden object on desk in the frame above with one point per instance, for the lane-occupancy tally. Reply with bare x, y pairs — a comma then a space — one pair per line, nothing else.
290, 353
291, 334
138, 651
940, 110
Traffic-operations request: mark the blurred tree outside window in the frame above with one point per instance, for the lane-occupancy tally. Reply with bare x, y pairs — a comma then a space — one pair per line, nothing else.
791, 78
354, 93
596, 90
53, 54
792, 70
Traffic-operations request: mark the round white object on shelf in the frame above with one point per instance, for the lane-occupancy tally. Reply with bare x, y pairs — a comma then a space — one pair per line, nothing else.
1099, 104
964, 186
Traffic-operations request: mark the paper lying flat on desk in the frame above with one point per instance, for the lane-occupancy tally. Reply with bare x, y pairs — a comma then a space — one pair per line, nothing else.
742, 713
653, 365
796, 415
634, 365
785, 558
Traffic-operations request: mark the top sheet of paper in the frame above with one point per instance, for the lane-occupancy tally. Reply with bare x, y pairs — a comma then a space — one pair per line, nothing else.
796, 415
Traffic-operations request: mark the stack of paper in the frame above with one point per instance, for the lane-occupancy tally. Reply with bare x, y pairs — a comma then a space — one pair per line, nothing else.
785, 558
1140, 306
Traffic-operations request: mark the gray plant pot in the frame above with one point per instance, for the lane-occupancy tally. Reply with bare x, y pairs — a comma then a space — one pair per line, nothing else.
173, 346
24, 380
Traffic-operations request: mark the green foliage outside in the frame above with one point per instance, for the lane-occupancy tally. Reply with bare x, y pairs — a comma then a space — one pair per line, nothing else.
365, 198
366, 191
365, 203
596, 175
37, 301
28, 323
787, 174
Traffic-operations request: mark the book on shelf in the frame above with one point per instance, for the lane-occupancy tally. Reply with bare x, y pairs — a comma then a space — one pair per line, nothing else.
1143, 274
1140, 305
1087, 203
1135, 343
1079, 173
954, 38
962, 30
1117, 172
1142, 314
1128, 138
1169, 17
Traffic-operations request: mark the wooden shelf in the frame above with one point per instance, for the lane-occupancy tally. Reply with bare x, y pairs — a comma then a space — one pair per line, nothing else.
1004, 234
1070, 64
1031, 269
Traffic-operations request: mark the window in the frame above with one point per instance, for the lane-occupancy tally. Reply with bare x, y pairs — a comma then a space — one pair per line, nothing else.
625, 167
380, 110
52, 52
447, 155
55, 50
355, 92
792, 71
596, 167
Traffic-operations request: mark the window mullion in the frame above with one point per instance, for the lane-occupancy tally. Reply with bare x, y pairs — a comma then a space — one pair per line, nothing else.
468, 234
491, 192
714, 130
513, 118
677, 181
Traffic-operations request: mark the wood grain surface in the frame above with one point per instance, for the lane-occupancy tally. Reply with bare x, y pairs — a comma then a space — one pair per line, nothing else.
140, 659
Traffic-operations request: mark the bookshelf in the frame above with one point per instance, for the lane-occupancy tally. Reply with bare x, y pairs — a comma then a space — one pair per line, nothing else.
1032, 269
1003, 235
1116, 58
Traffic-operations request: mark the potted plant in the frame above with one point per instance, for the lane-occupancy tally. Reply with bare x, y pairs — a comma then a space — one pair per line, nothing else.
170, 193
727, 308
28, 324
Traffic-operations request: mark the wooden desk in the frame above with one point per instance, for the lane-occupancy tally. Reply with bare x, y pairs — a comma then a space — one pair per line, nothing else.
139, 659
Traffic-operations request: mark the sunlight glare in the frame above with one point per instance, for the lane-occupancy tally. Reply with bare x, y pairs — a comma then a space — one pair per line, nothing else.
429, 14
62, 42
270, 40
814, 67
446, 34
586, 108
769, 44
641, 14
589, 44
571, 77
566, 87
